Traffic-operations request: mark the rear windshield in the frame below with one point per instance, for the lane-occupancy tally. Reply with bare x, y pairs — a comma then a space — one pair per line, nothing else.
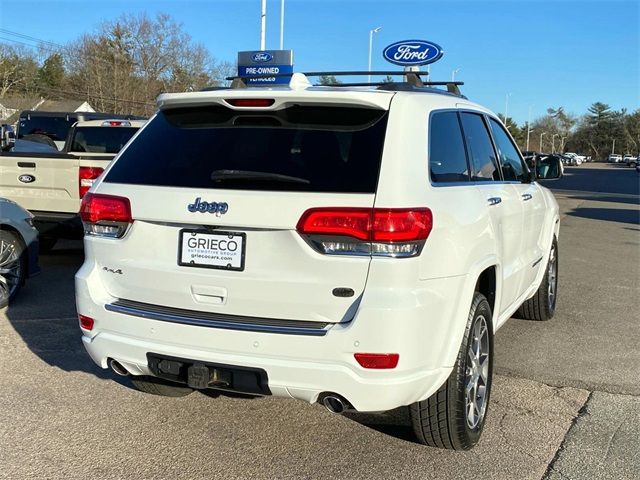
300, 148
55, 128
101, 139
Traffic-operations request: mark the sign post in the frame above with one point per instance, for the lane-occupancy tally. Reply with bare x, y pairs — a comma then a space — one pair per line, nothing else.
265, 62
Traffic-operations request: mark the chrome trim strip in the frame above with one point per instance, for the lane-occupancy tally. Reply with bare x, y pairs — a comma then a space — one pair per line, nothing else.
199, 322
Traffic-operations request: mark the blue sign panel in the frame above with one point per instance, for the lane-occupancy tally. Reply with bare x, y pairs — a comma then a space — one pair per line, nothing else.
409, 53
260, 63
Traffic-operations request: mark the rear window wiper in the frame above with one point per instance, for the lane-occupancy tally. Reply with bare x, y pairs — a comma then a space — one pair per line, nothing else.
221, 175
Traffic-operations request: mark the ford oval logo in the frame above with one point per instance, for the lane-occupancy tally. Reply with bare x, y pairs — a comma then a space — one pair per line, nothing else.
27, 178
412, 52
262, 57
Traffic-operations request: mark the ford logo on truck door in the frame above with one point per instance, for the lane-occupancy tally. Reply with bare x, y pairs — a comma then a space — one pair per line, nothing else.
27, 178
412, 52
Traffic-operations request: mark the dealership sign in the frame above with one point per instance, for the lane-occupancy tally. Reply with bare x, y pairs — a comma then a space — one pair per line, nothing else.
262, 63
410, 53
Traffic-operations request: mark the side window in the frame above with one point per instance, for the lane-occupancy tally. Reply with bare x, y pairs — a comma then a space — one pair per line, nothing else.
447, 157
512, 167
480, 148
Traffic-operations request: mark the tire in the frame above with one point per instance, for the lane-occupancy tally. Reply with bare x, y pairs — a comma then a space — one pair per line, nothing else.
542, 306
46, 244
13, 266
443, 419
157, 386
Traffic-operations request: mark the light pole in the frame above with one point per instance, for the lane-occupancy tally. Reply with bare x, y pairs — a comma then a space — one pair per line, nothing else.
453, 74
529, 126
553, 142
506, 109
371, 32
281, 24
541, 135
613, 147
263, 23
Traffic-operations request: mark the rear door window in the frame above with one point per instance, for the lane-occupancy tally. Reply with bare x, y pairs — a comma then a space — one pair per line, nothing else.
510, 162
479, 147
447, 157
299, 148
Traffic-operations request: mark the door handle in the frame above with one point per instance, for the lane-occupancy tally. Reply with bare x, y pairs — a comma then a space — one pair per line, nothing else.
526, 197
27, 164
494, 200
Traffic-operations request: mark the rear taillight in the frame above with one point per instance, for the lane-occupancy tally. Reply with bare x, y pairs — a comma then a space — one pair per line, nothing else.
86, 177
390, 232
105, 215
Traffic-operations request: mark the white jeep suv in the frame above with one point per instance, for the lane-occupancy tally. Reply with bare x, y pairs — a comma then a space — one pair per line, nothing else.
353, 246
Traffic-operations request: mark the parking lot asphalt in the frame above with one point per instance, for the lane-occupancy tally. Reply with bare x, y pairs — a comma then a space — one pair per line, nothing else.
565, 402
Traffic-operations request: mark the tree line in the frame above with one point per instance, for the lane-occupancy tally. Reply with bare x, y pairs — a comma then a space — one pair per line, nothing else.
597, 133
121, 68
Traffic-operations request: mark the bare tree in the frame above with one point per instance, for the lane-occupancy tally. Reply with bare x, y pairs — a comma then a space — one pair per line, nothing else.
133, 59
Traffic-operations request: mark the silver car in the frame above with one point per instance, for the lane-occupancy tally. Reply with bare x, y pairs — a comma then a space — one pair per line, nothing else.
18, 249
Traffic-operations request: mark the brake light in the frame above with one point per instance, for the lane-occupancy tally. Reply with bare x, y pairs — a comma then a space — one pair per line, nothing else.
105, 215
377, 360
86, 322
116, 123
250, 102
392, 232
86, 177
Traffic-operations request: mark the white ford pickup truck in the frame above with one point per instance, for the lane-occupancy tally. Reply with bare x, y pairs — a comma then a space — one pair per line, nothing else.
50, 182
353, 246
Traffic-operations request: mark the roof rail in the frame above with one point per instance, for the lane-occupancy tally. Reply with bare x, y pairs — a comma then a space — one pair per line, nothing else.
413, 81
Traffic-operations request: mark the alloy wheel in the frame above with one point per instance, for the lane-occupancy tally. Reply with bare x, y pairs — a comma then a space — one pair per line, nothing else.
477, 374
552, 278
10, 270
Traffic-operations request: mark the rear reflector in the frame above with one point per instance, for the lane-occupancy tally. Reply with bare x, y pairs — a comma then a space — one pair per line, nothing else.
397, 232
86, 177
86, 322
250, 102
377, 360
105, 215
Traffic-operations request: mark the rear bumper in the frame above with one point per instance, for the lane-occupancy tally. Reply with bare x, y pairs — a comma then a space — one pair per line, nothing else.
59, 224
419, 328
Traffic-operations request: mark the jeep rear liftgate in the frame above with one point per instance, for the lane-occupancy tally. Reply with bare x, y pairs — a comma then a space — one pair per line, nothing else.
225, 241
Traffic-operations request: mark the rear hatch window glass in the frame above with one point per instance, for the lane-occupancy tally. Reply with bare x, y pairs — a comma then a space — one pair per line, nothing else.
101, 139
299, 148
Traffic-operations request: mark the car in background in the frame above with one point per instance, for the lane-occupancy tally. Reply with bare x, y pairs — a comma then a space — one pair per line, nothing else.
18, 249
630, 160
50, 183
615, 158
56, 125
101, 139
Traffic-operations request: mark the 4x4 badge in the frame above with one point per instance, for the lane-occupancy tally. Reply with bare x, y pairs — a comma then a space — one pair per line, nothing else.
219, 208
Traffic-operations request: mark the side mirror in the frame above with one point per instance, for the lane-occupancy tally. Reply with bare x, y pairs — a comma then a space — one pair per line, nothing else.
7, 138
549, 168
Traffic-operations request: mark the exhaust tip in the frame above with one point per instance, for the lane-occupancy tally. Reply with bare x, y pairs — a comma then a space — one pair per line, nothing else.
118, 368
335, 403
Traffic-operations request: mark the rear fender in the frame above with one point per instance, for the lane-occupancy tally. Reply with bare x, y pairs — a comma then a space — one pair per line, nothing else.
465, 298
